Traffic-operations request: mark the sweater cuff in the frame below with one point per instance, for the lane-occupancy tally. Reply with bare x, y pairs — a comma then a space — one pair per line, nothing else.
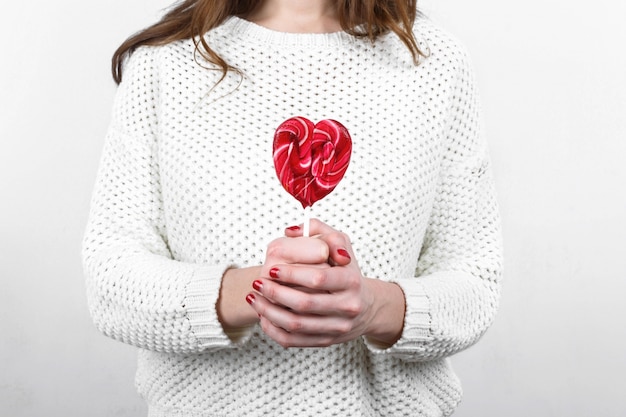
201, 298
417, 322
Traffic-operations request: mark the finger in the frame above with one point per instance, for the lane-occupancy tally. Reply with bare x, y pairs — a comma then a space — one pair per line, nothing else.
279, 315
340, 250
297, 299
297, 250
318, 227
319, 278
294, 231
288, 340
339, 246
295, 323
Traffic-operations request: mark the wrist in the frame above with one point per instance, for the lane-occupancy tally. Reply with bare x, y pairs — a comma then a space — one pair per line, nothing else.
232, 310
389, 307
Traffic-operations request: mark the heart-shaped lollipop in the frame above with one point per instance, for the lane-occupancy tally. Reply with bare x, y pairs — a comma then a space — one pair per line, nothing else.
310, 159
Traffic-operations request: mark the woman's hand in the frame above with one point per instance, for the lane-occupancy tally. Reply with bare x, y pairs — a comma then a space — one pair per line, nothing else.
312, 294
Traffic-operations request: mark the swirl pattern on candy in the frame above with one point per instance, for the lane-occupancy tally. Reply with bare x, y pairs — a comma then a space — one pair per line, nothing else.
310, 159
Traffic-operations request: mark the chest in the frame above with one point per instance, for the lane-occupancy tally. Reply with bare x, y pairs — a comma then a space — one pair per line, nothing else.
215, 146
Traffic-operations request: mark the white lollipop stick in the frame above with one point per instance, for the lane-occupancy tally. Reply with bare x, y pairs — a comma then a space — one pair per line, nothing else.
307, 221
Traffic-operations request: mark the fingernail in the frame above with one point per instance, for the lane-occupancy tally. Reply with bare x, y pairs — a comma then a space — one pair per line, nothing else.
274, 273
293, 228
257, 285
250, 298
343, 253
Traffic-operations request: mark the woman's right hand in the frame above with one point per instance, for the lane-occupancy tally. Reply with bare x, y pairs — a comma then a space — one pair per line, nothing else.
233, 311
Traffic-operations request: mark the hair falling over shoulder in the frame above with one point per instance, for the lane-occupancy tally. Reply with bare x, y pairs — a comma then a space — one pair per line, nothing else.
191, 19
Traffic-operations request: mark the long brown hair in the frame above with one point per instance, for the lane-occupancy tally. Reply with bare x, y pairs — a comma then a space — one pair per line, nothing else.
190, 19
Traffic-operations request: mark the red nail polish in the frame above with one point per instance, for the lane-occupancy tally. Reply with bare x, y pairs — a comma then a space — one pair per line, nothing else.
293, 228
250, 298
257, 285
274, 273
344, 253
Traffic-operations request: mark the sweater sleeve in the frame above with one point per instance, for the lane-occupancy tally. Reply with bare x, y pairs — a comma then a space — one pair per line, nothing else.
454, 297
136, 292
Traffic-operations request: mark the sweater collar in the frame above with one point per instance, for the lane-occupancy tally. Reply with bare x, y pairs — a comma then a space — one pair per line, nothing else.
236, 26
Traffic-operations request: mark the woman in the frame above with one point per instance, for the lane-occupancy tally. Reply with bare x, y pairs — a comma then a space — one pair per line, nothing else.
183, 253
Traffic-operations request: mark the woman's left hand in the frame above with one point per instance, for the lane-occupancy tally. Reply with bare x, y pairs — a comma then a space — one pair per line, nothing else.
304, 305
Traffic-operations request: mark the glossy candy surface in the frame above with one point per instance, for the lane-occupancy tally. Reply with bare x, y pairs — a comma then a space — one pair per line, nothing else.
310, 159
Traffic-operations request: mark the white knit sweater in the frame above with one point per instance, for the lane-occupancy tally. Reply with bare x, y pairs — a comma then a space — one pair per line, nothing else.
187, 189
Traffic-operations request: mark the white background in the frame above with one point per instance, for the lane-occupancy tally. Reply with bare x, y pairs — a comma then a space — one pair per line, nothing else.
553, 81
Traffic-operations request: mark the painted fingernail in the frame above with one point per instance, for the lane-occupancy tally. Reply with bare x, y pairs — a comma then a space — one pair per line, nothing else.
257, 285
343, 253
250, 298
293, 228
274, 273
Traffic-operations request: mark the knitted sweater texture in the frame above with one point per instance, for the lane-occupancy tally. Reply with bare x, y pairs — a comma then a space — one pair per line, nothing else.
187, 189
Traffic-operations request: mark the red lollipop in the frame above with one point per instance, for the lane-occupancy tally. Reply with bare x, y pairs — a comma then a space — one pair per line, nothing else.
310, 159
